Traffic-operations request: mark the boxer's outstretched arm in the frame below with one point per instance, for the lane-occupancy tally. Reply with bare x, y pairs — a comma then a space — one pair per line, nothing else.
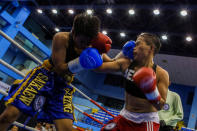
114, 66
106, 58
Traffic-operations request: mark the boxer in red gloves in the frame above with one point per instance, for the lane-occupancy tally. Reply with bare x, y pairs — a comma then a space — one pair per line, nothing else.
103, 44
145, 84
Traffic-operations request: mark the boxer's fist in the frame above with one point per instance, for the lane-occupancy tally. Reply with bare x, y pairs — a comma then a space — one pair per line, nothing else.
102, 43
128, 49
145, 79
89, 59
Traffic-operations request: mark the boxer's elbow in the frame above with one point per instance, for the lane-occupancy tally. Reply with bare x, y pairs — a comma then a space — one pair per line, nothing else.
60, 68
100, 69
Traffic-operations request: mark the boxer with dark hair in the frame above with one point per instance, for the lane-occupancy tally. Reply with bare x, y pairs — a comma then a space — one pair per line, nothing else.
45, 89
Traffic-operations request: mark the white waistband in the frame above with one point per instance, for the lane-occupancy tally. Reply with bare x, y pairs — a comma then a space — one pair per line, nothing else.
140, 117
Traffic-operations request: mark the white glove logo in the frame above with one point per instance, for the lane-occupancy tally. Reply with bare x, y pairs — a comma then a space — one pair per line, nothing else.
110, 126
146, 82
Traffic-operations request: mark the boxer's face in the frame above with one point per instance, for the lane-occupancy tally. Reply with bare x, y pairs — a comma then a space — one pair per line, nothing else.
81, 42
142, 50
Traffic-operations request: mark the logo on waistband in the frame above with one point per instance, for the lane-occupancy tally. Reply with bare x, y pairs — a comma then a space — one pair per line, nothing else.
166, 107
38, 103
110, 126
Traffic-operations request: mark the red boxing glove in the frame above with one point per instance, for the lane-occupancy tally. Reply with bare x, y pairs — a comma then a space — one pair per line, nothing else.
145, 78
102, 43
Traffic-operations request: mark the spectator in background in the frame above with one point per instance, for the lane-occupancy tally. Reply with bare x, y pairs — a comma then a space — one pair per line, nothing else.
14, 128
22, 68
53, 127
87, 129
40, 127
48, 127
171, 113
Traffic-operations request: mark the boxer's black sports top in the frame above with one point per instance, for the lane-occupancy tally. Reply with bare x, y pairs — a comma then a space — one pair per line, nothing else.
128, 83
71, 54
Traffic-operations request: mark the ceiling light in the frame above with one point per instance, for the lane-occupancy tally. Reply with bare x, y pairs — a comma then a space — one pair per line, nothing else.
164, 37
54, 11
188, 38
131, 12
104, 32
109, 11
156, 12
39, 11
183, 12
57, 29
89, 11
122, 34
70, 11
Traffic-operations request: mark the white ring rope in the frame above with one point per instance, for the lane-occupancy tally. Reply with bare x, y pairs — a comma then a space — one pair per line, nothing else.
3, 93
20, 47
24, 126
11, 68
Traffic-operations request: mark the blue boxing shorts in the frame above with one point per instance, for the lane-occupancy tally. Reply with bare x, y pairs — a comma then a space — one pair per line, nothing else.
41, 82
58, 105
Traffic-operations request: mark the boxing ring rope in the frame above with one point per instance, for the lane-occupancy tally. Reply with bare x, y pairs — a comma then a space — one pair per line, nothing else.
20, 47
89, 116
75, 127
39, 62
11, 68
91, 100
3, 93
24, 126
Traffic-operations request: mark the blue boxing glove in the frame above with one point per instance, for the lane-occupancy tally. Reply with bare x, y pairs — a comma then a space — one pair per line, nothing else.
89, 59
128, 49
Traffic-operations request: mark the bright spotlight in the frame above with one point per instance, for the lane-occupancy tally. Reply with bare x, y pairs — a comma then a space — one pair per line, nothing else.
54, 11
188, 38
156, 12
183, 12
109, 11
122, 34
70, 11
131, 12
164, 37
89, 11
57, 29
39, 11
104, 32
